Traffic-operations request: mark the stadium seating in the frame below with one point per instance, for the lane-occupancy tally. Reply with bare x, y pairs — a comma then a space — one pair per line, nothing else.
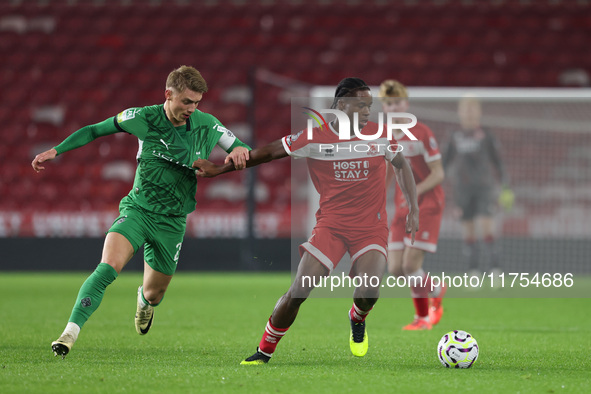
91, 61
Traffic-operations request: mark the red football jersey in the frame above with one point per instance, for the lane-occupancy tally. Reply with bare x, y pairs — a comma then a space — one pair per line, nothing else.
418, 154
349, 175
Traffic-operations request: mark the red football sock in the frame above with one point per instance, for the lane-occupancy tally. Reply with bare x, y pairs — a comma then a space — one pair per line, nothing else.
420, 292
358, 315
421, 306
271, 338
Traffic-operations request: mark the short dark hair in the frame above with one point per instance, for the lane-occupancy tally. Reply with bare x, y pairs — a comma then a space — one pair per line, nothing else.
186, 77
347, 87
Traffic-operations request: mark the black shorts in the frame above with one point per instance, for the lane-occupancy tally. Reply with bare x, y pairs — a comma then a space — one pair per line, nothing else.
475, 201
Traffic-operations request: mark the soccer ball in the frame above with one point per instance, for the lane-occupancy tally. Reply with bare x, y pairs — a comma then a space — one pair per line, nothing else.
457, 349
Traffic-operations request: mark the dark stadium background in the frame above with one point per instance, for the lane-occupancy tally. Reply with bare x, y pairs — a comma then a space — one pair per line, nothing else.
69, 63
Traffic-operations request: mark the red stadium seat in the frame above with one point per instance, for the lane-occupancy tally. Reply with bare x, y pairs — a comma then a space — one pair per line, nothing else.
102, 59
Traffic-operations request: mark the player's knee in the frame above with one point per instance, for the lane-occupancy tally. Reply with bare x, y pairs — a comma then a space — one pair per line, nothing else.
395, 263
395, 270
413, 262
296, 297
117, 266
409, 268
302, 287
366, 301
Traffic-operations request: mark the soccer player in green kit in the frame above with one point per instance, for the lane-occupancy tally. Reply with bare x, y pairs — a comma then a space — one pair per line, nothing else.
171, 137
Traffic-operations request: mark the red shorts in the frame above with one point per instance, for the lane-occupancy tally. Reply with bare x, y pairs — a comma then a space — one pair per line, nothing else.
328, 245
427, 236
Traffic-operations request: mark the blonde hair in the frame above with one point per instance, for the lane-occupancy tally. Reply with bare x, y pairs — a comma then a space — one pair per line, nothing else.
186, 77
393, 88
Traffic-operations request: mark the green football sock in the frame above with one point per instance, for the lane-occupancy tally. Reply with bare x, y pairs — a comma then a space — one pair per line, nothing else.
91, 293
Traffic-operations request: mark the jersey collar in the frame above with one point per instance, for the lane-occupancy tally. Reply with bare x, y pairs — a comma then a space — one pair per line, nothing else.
187, 123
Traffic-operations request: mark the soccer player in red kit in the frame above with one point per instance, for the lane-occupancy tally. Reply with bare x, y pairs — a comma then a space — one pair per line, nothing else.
404, 258
349, 175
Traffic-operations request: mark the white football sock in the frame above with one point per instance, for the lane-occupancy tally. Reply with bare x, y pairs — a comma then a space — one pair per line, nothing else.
73, 329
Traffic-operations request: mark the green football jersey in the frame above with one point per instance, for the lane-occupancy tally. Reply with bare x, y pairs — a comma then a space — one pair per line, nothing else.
164, 180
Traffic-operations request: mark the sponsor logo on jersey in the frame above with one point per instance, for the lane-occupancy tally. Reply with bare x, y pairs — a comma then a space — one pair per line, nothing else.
165, 144
170, 159
466, 145
373, 150
128, 114
352, 170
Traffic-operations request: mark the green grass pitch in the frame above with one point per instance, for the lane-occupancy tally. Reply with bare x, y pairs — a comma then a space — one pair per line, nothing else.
208, 323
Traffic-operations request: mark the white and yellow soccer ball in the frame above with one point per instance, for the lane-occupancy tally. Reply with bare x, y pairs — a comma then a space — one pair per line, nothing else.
457, 349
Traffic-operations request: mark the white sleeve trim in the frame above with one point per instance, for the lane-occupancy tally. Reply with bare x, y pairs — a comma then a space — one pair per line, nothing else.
429, 159
227, 138
285, 146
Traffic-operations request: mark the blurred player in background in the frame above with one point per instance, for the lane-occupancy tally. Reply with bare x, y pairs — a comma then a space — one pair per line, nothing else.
352, 214
404, 257
171, 137
473, 160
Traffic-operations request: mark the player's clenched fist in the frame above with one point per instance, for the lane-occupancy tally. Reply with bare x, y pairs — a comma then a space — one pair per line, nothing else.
41, 157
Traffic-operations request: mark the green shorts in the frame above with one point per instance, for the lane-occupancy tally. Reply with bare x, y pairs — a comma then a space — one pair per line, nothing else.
161, 235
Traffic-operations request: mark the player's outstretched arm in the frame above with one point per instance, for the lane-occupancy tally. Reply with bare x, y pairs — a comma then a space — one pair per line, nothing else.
41, 157
77, 139
267, 153
406, 180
